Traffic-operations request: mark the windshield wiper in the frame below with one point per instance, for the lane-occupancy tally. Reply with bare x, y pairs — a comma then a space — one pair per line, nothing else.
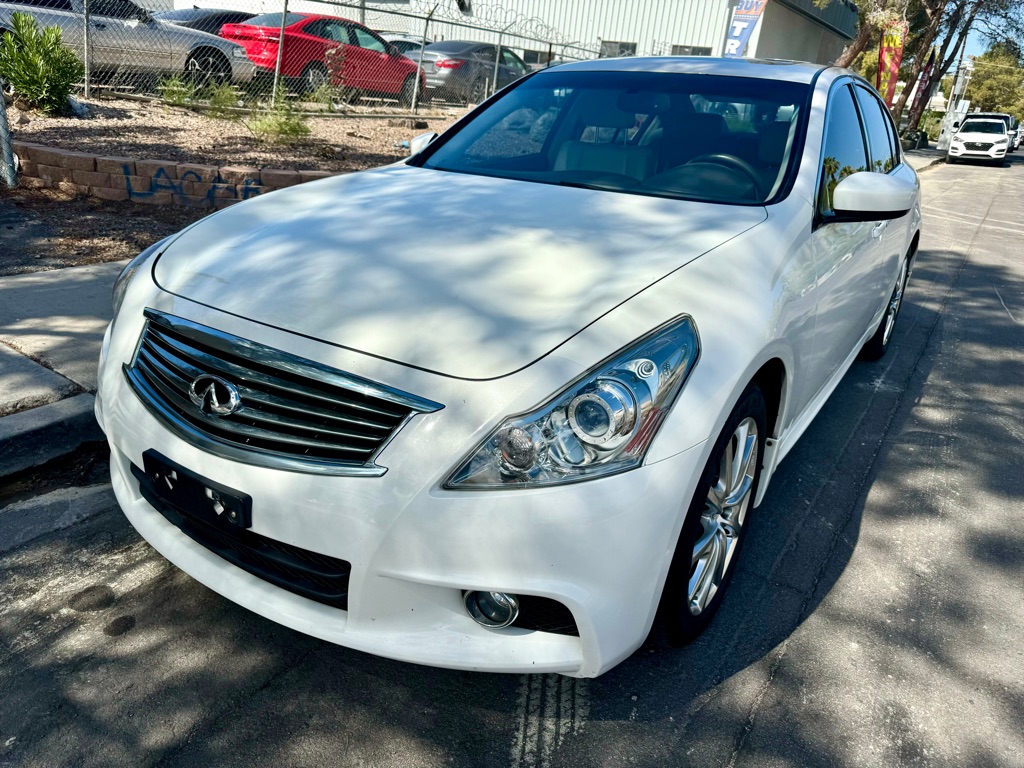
591, 185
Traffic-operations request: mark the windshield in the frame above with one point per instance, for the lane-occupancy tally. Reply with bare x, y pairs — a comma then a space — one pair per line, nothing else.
983, 126
694, 137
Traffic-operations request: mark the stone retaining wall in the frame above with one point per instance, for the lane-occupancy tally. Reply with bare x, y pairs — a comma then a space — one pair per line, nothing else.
159, 182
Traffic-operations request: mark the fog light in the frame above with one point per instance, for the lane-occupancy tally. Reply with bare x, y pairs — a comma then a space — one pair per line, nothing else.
492, 609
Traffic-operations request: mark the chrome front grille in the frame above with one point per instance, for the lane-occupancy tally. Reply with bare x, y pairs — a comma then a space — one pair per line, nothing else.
290, 413
977, 146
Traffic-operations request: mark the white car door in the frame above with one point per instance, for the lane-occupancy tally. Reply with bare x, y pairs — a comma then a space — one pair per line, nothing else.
848, 255
885, 158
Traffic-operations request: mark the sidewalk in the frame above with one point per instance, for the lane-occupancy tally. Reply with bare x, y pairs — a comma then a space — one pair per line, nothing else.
919, 159
51, 329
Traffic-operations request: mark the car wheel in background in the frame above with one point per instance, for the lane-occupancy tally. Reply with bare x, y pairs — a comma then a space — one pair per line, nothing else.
206, 67
405, 95
713, 532
477, 91
879, 343
314, 76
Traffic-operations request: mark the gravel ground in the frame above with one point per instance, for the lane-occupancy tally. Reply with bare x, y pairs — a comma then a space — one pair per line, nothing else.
44, 229
47, 229
153, 130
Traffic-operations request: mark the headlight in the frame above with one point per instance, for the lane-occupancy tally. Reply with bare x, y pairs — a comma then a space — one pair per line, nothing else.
239, 52
600, 424
1003, 140
125, 278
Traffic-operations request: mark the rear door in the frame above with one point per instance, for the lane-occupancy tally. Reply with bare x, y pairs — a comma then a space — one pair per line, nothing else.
510, 69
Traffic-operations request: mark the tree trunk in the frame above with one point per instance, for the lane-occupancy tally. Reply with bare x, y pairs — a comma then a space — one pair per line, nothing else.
865, 35
934, 22
943, 63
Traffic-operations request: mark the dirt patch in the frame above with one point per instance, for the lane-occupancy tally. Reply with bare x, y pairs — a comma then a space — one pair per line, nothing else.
48, 229
119, 127
44, 229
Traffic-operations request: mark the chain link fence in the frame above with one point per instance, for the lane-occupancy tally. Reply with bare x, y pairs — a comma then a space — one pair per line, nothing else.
8, 169
319, 54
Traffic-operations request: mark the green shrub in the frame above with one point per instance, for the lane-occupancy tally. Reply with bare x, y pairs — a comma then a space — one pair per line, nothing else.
223, 100
176, 90
40, 70
279, 125
326, 95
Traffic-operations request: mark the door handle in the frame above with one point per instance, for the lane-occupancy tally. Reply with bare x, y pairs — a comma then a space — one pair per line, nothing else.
879, 228
97, 25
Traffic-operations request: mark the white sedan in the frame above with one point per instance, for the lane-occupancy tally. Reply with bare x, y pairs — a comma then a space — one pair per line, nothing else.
493, 406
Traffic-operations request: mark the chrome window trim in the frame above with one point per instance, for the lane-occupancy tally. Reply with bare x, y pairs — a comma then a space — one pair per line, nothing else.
234, 345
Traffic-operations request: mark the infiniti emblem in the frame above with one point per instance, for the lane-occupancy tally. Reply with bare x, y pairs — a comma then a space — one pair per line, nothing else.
212, 394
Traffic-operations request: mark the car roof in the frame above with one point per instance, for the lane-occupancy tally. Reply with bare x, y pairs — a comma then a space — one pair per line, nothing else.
767, 69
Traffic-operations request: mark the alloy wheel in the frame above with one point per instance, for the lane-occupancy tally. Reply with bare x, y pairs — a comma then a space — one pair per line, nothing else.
725, 512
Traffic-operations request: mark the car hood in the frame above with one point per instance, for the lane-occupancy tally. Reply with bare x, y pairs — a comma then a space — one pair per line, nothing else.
467, 276
987, 137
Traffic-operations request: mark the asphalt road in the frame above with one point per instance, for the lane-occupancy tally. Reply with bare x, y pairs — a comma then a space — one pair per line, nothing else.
877, 618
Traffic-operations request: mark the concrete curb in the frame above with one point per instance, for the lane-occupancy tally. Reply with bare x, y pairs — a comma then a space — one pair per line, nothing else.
39, 435
32, 518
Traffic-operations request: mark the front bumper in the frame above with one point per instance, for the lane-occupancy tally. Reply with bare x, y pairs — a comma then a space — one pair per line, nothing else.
600, 548
997, 152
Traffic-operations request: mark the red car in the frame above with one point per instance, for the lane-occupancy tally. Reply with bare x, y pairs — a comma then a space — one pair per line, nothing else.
313, 47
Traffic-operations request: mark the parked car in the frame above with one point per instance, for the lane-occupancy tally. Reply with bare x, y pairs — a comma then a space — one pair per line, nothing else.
370, 65
126, 37
983, 139
405, 44
495, 424
464, 71
1008, 120
208, 20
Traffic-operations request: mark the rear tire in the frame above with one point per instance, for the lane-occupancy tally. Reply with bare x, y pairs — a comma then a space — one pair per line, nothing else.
314, 76
714, 528
203, 68
405, 95
477, 91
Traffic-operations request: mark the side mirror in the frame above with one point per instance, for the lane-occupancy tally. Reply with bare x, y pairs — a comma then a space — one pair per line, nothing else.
866, 196
420, 143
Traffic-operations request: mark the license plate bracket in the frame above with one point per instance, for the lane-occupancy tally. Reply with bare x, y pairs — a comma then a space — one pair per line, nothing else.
193, 495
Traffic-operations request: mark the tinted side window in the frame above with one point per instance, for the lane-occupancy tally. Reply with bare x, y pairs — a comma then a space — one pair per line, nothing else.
60, 5
844, 152
877, 124
117, 9
366, 39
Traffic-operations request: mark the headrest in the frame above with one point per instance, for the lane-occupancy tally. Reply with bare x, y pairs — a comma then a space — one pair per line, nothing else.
642, 102
772, 144
604, 114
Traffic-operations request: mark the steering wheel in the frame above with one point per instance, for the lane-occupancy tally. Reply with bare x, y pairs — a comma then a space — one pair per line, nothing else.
733, 163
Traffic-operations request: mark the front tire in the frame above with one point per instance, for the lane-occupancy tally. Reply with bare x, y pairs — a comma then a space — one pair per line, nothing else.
714, 529
879, 343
